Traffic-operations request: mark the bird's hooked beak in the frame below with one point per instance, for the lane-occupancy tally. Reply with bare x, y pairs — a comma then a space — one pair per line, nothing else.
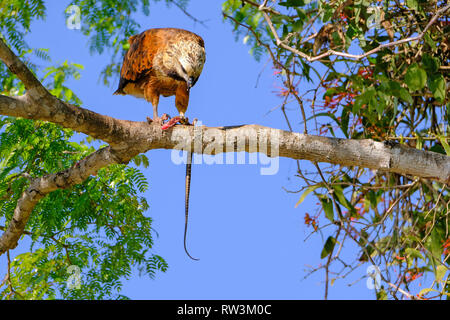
190, 82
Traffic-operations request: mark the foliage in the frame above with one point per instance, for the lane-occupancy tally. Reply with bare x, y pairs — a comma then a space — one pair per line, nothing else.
100, 225
16, 17
328, 59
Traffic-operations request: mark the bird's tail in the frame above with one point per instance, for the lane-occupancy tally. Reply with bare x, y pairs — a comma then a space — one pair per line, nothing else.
119, 92
122, 85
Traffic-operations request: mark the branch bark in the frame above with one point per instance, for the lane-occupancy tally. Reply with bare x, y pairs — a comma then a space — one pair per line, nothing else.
127, 139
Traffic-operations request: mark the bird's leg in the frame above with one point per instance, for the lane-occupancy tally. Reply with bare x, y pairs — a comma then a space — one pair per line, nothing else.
156, 119
153, 97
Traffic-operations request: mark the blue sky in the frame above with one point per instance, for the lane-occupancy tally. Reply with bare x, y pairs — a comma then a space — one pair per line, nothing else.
244, 227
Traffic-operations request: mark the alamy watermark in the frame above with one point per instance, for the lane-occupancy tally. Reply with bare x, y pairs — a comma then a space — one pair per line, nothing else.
74, 280
374, 277
374, 19
216, 146
73, 21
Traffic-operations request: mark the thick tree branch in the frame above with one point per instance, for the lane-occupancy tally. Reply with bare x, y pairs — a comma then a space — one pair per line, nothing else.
129, 138
17, 67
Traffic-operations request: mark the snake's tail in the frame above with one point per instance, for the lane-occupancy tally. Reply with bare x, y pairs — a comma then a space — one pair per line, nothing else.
188, 189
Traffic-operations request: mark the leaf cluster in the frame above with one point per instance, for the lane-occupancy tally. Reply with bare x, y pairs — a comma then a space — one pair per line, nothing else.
99, 226
366, 69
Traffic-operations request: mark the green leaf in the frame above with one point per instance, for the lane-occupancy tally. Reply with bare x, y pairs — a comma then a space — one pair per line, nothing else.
415, 77
384, 243
445, 145
412, 4
363, 98
345, 118
297, 26
395, 89
342, 199
413, 253
328, 14
328, 247
69, 95
440, 272
419, 141
435, 246
308, 191
404, 95
292, 3
380, 104
327, 205
437, 86
426, 290
430, 63
357, 105
438, 148
382, 295
255, 19
430, 41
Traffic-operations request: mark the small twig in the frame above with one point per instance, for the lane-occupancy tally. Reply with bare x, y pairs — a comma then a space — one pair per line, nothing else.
265, 8
410, 296
202, 22
417, 138
276, 62
8, 277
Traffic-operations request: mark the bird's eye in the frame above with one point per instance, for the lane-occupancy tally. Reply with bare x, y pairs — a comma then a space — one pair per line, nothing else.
182, 68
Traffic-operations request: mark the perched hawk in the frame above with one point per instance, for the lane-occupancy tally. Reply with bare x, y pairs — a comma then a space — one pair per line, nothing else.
165, 61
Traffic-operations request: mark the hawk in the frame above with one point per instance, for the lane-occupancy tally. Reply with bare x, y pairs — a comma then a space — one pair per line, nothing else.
162, 61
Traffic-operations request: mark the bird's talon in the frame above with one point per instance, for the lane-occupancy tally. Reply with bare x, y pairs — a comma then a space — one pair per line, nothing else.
184, 121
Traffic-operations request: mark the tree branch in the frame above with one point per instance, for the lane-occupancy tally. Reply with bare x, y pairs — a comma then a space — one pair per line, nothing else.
17, 67
129, 138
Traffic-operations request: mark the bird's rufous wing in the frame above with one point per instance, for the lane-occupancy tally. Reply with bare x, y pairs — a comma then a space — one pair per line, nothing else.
138, 60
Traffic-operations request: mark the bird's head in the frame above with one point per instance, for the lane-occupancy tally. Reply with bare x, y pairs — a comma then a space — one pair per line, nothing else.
190, 72
191, 68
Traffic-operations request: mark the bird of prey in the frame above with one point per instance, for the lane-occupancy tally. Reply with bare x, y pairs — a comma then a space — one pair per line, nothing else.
163, 61
167, 62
